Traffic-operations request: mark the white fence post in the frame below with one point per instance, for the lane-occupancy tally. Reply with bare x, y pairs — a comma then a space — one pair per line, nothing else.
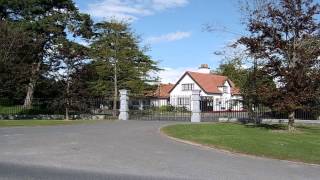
195, 106
124, 106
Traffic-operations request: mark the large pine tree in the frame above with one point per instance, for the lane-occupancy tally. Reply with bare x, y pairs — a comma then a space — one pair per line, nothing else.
119, 60
49, 23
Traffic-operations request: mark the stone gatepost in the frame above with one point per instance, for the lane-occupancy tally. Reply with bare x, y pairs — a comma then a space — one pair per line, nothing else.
195, 106
124, 105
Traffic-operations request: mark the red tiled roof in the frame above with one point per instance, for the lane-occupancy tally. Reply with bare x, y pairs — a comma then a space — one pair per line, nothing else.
210, 82
163, 90
235, 91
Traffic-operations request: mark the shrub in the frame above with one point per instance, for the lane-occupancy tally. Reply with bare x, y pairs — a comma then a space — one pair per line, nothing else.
167, 108
181, 109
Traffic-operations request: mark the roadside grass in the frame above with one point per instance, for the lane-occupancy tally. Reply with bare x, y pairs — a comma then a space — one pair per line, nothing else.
19, 109
12, 123
266, 140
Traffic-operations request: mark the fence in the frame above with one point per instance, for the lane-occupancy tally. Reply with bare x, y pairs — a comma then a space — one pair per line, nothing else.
96, 108
234, 110
162, 109
140, 107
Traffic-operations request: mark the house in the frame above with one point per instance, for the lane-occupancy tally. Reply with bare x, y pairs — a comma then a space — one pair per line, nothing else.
155, 98
218, 92
161, 96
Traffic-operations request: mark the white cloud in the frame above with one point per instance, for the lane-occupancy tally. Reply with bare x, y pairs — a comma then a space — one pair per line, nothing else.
172, 75
165, 4
130, 9
168, 37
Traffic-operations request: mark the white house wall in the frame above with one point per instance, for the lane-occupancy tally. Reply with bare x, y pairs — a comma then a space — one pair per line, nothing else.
177, 91
159, 102
224, 98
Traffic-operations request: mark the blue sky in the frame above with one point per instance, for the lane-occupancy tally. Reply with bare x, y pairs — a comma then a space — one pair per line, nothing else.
174, 29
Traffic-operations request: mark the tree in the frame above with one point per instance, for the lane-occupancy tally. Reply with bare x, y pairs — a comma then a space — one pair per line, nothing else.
73, 57
237, 66
119, 59
50, 22
17, 51
233, 66
285, 39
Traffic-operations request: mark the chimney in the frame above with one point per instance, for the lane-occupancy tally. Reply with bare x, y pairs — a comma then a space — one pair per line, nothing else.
204, 68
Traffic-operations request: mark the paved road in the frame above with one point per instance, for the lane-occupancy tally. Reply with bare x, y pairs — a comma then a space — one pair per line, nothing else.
127, 150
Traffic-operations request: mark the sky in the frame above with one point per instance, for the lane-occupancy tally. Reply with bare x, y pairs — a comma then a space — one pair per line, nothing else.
174, 30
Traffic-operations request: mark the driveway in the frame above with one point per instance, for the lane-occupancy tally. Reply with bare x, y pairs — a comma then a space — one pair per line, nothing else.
127, 150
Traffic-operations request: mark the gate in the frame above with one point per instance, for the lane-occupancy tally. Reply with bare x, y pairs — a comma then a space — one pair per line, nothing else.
214, 110
211, 110
157, 109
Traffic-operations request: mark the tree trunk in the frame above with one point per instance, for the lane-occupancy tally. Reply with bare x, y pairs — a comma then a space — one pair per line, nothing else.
67, 100
291, 121
292, 64
251, 113
33, 80
67, 110
115, 96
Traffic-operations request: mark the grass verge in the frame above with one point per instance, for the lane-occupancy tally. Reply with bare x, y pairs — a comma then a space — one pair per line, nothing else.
10, 109
266, 140
11, 123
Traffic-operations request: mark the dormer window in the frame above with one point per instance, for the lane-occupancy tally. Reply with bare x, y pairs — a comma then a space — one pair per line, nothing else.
225, 89
187, 87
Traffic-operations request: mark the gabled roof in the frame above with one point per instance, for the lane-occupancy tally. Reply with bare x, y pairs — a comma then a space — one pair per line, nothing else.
163, 91
209, 83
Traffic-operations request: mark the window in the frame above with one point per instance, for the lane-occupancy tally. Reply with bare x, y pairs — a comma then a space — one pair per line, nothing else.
187, 87
135, 103
225, 89
218, 101
183, 101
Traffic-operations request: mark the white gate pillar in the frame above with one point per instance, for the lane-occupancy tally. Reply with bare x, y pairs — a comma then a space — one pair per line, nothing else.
124, 106
195, 106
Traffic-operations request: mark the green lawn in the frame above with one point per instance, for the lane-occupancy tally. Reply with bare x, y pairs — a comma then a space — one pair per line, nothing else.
10, 109
269, 141
9, 123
